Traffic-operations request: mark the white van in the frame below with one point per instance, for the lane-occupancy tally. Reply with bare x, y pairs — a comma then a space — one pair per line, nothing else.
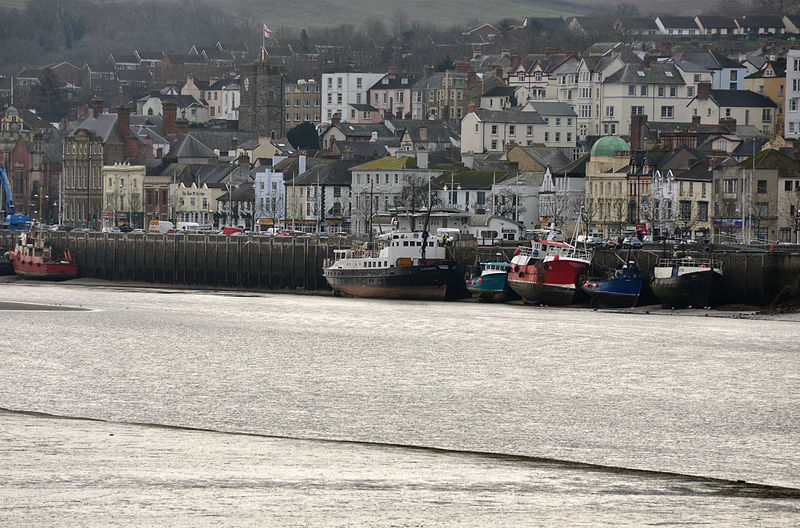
160, 226
188, 226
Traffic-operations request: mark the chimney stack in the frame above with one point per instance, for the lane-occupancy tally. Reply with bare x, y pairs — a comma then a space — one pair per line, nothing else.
97, 106
169, 114
728, 122
234, 143
703, 90
336, 119
471, 108
427, 70
648, 60
181, 127
638, 123
131, 146
123, 122
392, 69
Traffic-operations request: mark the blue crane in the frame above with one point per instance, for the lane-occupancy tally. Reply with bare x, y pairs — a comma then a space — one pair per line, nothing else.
13, 221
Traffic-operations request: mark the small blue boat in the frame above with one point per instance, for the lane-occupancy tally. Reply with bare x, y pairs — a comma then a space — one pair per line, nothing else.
492, 284
620, 290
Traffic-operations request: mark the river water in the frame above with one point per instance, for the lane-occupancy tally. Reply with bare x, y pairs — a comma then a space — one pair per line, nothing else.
384, 413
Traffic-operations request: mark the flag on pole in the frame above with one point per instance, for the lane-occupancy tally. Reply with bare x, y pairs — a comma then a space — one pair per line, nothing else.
267, 32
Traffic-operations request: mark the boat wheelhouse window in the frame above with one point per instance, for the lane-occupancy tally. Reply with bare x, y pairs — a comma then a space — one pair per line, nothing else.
405, 243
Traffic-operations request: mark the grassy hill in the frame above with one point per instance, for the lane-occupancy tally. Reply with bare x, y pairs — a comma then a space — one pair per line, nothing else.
323, 13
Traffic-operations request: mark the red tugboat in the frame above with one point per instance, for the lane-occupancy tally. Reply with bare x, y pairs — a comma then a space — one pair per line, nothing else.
548, 271
32, 259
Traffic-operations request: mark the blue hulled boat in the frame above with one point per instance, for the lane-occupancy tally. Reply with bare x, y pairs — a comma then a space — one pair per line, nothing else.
620, 290
492, 284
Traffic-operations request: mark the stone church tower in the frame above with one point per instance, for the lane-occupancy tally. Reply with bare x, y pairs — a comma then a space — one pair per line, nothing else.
261, 106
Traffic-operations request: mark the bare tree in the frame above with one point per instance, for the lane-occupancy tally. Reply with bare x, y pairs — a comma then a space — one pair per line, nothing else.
506, 204
135, 204
618, 214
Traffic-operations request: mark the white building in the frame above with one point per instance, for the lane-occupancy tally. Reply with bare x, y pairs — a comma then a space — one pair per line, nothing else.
270, 198
586, 94
342, 89
659, 91
490, 131
377, 187
791, 129
123, 194
223, 98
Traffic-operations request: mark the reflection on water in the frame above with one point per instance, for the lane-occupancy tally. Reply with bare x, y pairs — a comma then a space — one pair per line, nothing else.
692, 395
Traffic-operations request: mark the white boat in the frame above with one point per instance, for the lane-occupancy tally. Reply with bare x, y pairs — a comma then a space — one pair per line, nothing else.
407, 265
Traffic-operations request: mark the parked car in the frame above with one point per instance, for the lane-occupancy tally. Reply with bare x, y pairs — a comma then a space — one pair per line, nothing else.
632, 243
61, 227
112, 229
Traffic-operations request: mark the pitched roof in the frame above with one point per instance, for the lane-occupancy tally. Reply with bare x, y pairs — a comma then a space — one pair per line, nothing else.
363, 107
364, 150
222, 139
657, 73
388, 162
365, 130
718, 22
187, 146
150, 55
547, 156
329, 172
778, 70
681, 22
103, 126
549, 108
466, 179
435, 131
761, 21
773, 159
493, 116
637, 22
219, 84
741, 98
393, 81
501, 91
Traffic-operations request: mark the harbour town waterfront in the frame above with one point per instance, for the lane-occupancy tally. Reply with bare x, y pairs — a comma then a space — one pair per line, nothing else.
713, 398
266, 263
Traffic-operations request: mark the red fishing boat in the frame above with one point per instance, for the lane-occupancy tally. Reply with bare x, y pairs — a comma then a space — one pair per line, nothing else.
32, 259
548, 271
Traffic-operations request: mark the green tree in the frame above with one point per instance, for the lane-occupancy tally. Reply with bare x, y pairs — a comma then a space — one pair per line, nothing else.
445, 64
303, 136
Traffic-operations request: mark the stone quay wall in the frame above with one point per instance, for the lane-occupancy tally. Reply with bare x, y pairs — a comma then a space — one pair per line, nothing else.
295, 263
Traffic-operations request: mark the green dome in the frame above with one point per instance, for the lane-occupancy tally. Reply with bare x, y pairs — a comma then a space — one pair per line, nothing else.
608, 145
